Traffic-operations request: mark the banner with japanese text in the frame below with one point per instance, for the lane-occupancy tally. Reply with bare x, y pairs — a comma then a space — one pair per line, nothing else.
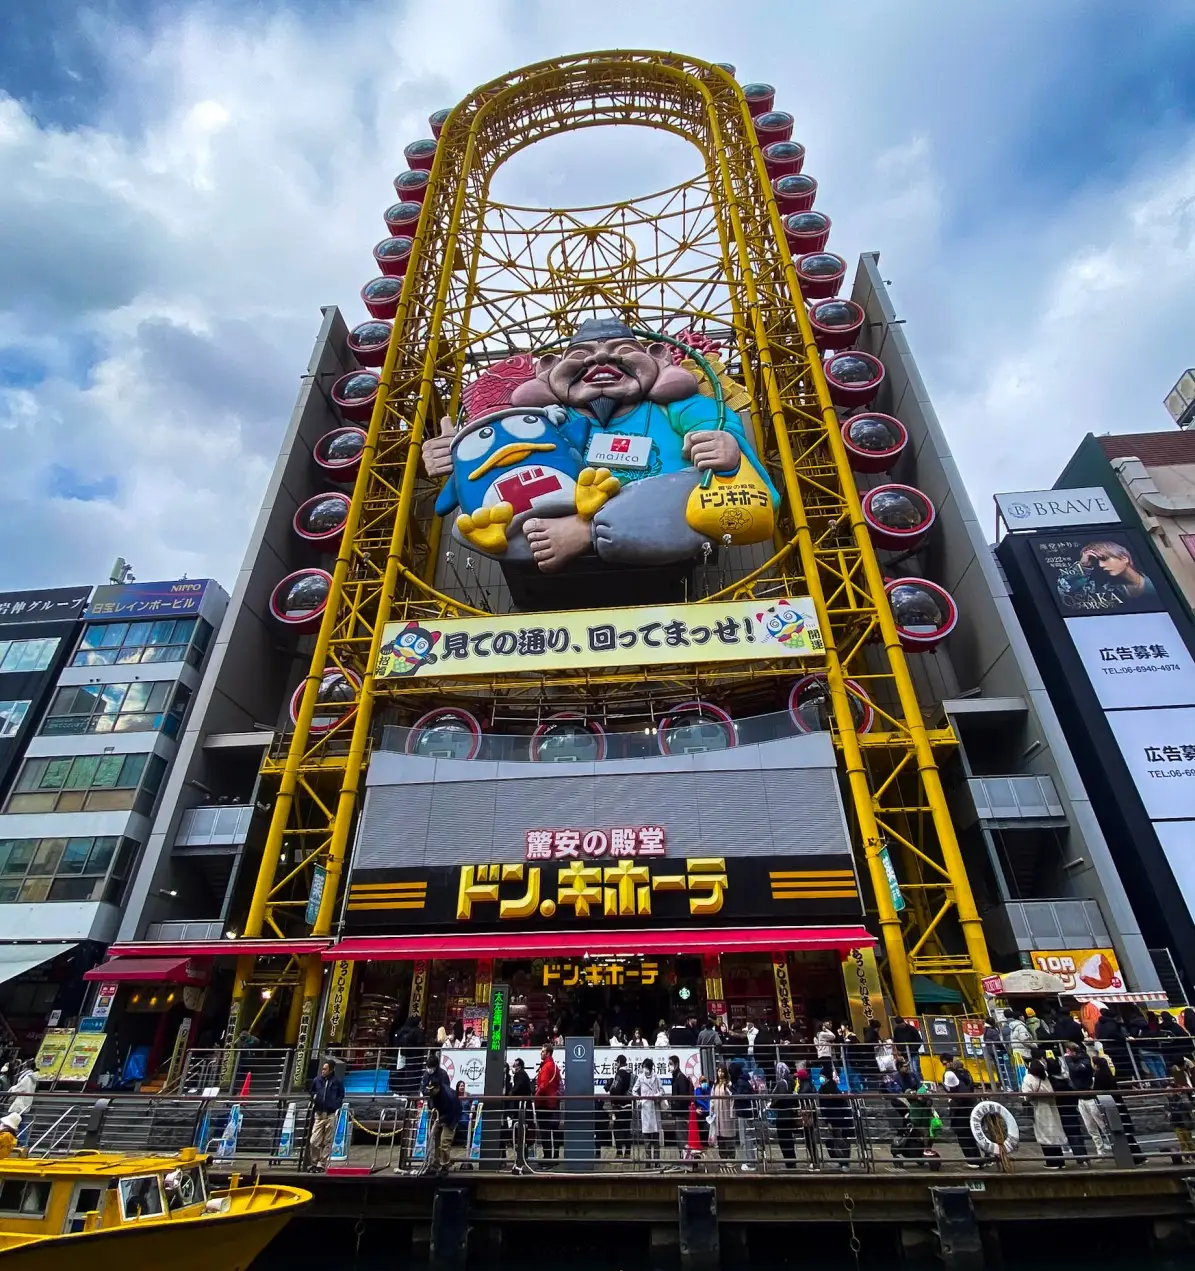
606, 891
649, 635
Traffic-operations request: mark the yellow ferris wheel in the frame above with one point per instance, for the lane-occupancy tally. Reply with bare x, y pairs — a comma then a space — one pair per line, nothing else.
705, 271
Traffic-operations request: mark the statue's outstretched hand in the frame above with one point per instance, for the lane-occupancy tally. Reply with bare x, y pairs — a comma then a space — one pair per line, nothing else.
437, 451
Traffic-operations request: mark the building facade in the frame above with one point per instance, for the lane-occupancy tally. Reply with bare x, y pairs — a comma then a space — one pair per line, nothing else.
523, 698
102, 732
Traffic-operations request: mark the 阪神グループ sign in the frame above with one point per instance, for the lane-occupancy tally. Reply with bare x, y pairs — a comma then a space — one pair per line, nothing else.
734, 631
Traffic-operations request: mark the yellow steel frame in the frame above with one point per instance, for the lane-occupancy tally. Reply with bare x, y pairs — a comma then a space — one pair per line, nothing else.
486, 278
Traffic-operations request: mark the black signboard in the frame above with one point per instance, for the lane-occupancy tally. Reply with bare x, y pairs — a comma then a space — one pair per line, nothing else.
52, 604
710, 890
1096, 572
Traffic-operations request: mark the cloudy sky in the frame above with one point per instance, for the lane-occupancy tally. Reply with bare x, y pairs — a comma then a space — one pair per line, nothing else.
182, 185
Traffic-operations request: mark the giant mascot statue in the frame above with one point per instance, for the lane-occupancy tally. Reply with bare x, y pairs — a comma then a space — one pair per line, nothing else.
598, 450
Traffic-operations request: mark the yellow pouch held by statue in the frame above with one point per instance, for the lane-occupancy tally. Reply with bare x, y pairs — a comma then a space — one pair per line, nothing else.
739, 506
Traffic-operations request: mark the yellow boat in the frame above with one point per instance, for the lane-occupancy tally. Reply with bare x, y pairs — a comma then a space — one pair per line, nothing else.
108, 1212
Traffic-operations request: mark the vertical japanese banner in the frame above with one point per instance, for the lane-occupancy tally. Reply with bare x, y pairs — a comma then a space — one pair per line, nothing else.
864, 994
338, 1000
484, 981
784, 988
419, 989
715, 1002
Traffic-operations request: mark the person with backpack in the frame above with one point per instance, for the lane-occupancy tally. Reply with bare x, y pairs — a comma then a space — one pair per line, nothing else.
959, 1087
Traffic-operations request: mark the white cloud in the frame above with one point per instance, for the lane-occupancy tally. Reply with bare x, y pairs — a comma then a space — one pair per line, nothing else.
168, 261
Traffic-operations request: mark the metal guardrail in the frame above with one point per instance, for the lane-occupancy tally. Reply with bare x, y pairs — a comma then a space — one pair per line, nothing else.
759, 1133
268, 1070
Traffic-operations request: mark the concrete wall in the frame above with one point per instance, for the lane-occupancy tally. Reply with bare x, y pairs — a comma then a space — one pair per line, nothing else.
254, 662
988, 652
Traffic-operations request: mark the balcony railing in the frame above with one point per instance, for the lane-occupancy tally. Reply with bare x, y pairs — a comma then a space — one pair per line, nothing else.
185, 932
1015, 798
223, 824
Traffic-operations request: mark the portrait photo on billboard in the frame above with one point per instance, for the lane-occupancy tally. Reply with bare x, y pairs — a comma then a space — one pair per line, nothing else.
1097, 573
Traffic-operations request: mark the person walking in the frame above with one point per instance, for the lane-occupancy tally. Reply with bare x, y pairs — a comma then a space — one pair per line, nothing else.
547, 1103
744, 1115
709, 1035
1020, 1042
23, 1090
521, 1093
959, 1087
907, 1038
1047, 1124
619, 1103
662, 1038
996, 1053
725, 1131
1082, 1076
1068, 1109
784, 1109
5, 1082
807, 1115
837, 1121
680, 1098
824, 1041
445, 1115
649, 1096
327, 1095
1110, 1033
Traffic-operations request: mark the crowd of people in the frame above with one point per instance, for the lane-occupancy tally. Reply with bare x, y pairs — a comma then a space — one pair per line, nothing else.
774, 1093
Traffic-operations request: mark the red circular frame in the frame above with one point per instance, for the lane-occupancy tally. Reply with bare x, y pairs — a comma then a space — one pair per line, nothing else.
857, 693
853, 394
695, 708
591, 726
330, 537
339, 470
884, 535
309, 622
453, 712
915, 642
874, 460
835, 339
368, 354
394, 266
820, 286
356, 408
350, 707
381, 308
408, 189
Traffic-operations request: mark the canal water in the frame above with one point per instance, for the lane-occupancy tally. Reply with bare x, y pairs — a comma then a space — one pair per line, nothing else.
374, 1245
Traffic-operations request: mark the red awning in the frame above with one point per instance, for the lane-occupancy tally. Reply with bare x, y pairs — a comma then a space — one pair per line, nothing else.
262, 948
144, 971
674, 940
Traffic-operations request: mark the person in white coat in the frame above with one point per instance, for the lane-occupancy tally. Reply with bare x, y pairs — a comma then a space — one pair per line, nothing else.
23, 1090
1047, 1124
648, 1095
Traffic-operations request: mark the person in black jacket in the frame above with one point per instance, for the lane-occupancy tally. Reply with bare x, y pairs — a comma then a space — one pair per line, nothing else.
784, 1110
744, 1115
676, 1123
327, 1095
837, 1121
1111, 1033
907, 1039
1067, 1029
519, 1108
619, 1103
1068, 1108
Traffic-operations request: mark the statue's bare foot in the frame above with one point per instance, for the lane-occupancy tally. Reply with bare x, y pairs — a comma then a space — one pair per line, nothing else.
557, 541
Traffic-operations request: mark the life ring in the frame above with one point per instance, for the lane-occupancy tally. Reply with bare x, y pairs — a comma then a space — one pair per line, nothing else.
981, 1114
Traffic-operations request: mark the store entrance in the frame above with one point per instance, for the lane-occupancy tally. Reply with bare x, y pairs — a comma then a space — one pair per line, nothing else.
602, 997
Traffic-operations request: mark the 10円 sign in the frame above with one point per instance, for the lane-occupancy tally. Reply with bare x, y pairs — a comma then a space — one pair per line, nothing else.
648, 635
